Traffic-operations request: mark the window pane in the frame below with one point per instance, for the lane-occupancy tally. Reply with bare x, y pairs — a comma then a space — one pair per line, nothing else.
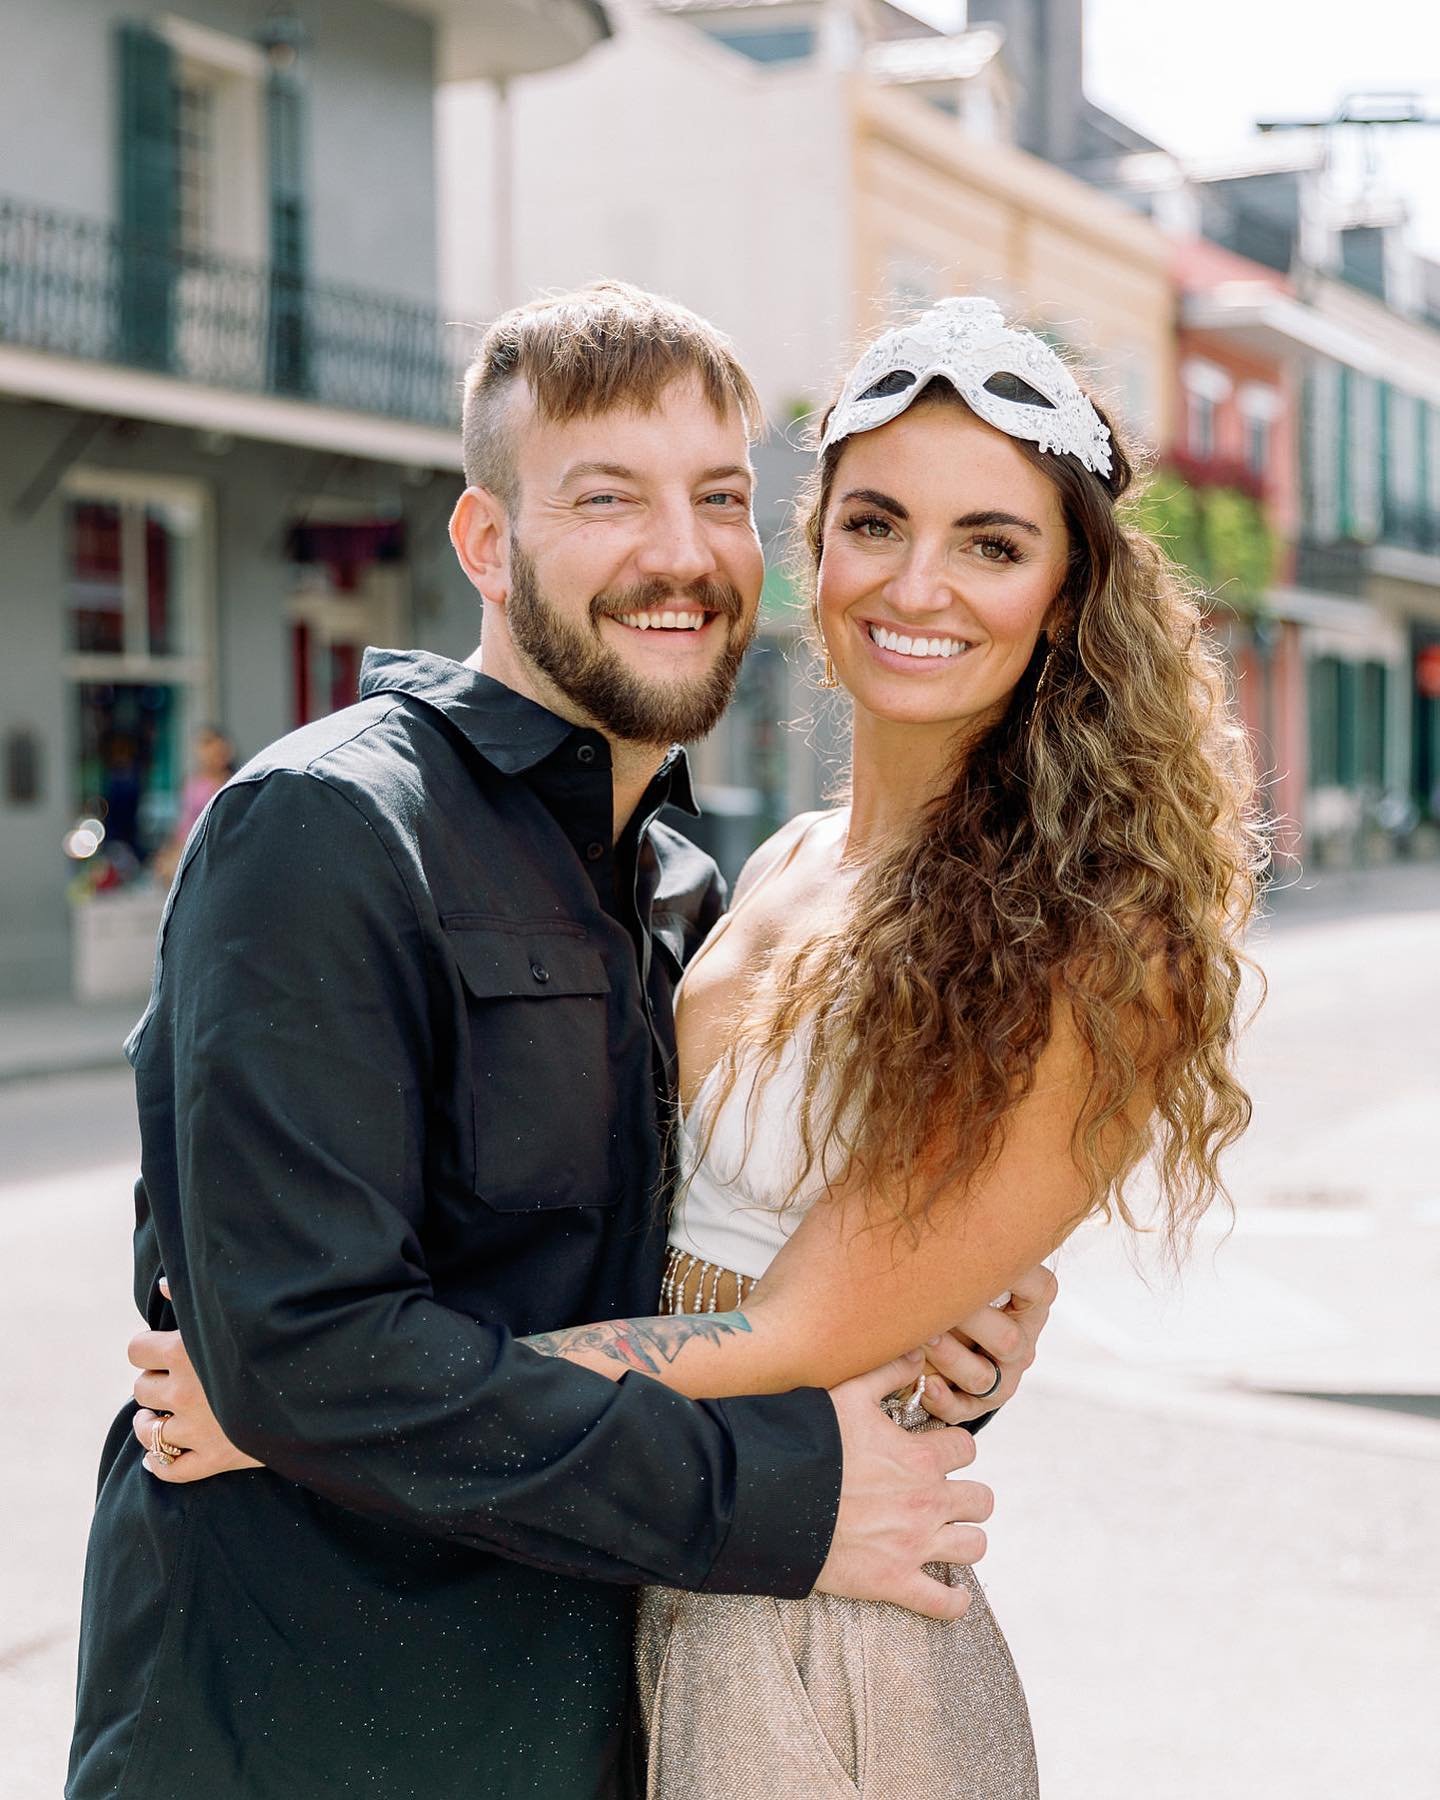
165, 549
194, 164
792, 43
128, 767
97, 585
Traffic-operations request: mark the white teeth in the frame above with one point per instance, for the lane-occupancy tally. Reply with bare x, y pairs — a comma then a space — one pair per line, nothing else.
908, 646
663, 621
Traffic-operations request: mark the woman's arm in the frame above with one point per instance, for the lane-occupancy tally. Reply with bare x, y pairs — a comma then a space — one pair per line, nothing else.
842, 1297
845, 1294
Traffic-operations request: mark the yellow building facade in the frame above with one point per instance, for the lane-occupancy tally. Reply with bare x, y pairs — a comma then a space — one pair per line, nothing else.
938, 211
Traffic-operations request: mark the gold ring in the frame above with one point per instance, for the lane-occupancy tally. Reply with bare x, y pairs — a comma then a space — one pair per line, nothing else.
164, 1453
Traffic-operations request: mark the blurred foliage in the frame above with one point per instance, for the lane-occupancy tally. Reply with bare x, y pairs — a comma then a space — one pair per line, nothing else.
1219, 534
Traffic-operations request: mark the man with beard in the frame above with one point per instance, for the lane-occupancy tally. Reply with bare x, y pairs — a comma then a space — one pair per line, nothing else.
404, 1085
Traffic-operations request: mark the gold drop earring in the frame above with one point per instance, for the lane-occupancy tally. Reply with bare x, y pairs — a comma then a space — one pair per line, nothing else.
828, 678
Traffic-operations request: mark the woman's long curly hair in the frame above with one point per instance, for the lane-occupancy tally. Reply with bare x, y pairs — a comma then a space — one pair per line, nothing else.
1097, 846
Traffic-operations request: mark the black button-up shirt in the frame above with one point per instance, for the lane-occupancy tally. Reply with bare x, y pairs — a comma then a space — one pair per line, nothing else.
404, 1086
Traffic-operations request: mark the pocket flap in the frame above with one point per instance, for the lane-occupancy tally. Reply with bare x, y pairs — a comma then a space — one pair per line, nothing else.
534, 965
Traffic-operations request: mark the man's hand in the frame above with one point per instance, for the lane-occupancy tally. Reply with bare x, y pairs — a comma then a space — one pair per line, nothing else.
995, 1341
897, 1509
170, 1396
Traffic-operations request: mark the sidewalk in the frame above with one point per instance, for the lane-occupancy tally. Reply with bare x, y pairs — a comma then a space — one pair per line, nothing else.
63, 1037
60, 1037
1306, 896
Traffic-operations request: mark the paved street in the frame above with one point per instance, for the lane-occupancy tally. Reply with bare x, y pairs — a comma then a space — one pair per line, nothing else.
1211, 1586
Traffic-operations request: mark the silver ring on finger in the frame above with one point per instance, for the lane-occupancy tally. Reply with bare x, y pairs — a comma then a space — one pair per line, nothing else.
995, 1384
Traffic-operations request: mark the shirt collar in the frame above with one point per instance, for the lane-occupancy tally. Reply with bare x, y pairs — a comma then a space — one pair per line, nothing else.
509, 731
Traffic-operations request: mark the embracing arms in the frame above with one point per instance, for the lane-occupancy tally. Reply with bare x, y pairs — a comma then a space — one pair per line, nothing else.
282, 1086
851, 1288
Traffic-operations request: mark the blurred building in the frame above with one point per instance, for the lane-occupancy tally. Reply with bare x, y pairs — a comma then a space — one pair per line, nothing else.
799, 171
1319, 294
228, 409
1308, 337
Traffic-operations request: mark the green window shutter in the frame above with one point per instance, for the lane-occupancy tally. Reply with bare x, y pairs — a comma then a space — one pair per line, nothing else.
1344, 509
1324, 683
289, 234
1372, 725
147, 260
1387, 493
1347, 725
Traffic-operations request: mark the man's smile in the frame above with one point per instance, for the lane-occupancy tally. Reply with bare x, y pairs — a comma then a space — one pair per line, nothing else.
665, 620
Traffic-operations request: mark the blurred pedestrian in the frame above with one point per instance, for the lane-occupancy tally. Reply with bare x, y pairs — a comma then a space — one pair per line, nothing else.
213, 763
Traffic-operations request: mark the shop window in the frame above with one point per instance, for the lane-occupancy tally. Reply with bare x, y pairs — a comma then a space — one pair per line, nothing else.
137, 560
348, 590
126, 573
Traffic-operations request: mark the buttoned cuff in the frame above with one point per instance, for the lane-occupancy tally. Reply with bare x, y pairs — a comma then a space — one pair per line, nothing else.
788, 1464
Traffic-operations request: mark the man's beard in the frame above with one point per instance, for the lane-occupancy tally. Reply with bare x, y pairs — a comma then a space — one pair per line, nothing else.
596, 678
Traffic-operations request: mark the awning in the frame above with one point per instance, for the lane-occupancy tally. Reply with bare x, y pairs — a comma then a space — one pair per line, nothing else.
494, 40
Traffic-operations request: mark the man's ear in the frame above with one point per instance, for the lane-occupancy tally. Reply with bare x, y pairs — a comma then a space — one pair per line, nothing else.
480, 532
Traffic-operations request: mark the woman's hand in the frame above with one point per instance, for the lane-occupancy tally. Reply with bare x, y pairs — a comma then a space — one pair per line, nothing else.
171, 1397
980, 1362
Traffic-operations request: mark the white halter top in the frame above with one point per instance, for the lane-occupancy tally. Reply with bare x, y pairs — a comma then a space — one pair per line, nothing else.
729, 1205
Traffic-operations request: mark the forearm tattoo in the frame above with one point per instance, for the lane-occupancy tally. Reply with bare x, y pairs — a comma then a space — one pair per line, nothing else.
640, 1343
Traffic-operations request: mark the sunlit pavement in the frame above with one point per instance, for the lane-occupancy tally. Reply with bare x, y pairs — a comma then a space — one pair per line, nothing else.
1211, 1587
70, 1152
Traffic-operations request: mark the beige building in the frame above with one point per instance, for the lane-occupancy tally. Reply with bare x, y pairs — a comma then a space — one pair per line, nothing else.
799, 171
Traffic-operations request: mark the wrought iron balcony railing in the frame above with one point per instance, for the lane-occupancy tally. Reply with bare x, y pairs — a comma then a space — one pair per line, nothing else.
1411, 528
77, 287
1331, 568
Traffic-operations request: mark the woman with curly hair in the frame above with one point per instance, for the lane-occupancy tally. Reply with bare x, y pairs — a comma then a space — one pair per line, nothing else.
945, 1023
942, 1024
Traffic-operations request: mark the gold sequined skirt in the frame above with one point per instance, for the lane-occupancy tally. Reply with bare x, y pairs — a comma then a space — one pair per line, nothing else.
749, 1698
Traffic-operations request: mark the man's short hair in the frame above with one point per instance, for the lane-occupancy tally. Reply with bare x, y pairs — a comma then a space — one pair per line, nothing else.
605, 345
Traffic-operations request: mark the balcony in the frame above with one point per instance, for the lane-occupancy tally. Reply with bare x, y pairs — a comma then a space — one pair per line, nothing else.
78, 288
1338, 567
1411, 528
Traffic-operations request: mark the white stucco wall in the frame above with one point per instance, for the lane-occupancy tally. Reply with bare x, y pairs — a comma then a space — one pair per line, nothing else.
664, 159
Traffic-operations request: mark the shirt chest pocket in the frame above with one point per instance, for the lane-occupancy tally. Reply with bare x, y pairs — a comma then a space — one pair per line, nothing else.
536, 1006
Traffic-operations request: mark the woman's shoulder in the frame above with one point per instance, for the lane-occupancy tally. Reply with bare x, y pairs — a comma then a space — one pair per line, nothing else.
777, 850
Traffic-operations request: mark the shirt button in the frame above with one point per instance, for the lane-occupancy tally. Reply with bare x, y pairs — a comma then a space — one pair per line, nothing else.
539, 971
585, 754
594, 851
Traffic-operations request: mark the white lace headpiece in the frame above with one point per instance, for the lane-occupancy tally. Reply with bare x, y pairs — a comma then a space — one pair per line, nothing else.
1011, 378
